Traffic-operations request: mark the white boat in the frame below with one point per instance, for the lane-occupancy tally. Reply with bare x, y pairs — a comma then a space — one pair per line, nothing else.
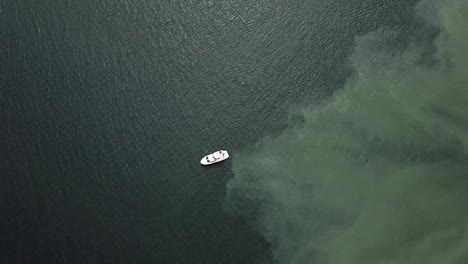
215, 157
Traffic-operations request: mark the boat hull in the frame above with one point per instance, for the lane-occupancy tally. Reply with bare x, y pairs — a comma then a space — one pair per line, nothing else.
215, 157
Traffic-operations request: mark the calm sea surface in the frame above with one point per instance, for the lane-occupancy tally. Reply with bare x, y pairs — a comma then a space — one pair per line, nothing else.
107, 107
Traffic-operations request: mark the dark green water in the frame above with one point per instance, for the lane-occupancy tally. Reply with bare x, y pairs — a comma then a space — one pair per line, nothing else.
107, 107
